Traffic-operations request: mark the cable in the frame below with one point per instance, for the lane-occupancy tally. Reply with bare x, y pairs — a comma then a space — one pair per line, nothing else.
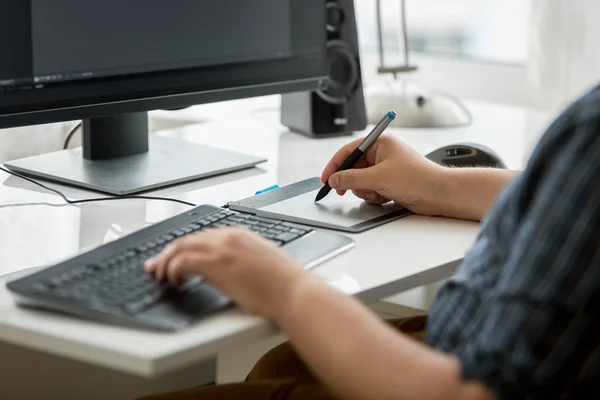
70, 135
69, 201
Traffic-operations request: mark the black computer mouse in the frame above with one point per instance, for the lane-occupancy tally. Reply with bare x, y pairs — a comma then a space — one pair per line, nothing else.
467, 155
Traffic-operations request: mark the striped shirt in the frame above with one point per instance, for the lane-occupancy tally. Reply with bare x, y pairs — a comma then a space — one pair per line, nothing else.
522, 312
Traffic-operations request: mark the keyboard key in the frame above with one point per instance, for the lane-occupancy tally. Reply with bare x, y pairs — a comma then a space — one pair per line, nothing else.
135, 307
79, 295
144, 302
56, 281
265, 220
95, 282
286, 237
68, 278
190, 283
40, 288
152, 253
132, 267
257, 228
103, 266
294, 226
300, 232
153, 297
264, 225
82, 273
65, 294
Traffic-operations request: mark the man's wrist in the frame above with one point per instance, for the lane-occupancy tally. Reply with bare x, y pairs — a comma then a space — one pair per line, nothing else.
436, 188
468, 193
293, 294
445, 198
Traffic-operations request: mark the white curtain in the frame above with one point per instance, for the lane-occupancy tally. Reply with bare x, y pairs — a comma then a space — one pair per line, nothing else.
565, 47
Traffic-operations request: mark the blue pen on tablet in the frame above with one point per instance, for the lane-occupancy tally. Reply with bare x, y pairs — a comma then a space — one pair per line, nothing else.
360, 150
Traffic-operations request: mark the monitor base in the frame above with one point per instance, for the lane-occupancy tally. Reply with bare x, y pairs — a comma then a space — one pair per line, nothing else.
168, 162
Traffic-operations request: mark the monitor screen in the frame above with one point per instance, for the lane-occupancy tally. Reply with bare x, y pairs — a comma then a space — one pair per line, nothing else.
143, 54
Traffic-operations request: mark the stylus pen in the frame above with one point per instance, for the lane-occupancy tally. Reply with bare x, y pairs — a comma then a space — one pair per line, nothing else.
360, 150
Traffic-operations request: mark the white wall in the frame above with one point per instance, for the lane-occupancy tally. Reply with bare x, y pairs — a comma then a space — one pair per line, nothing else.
565, 47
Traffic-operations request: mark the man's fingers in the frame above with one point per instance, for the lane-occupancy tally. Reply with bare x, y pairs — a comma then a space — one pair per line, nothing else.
194, 251
338, 159
370, 196
183, 264
158, 264
378, 200
355, 179
365, 194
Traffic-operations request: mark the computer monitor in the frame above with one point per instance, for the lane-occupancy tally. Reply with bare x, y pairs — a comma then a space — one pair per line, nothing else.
109, 62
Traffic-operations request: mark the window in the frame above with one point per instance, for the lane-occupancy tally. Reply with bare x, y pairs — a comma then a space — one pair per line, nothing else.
494, 31
471, 48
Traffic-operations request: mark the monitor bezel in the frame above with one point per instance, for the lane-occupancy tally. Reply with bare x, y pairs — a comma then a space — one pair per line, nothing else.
211, 85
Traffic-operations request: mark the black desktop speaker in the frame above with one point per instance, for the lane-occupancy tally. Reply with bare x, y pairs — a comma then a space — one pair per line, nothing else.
338, 107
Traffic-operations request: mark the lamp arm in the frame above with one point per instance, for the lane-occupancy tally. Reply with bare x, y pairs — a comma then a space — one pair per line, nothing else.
402, 38
403, 32
380, 34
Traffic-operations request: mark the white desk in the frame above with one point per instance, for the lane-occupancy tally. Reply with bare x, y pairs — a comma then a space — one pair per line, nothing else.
396, 257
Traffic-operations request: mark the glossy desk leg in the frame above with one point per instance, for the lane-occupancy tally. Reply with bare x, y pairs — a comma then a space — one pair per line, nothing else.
27, 375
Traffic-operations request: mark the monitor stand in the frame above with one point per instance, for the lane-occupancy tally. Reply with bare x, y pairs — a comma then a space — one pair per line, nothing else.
119, 157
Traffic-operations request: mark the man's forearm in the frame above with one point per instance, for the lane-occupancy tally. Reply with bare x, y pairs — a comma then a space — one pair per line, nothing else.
360, 357
468, 193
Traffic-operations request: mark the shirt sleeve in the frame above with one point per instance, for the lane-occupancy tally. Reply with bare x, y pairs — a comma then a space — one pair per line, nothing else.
536, 334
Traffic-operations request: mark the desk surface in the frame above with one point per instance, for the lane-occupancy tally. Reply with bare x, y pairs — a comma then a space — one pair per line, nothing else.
37, 229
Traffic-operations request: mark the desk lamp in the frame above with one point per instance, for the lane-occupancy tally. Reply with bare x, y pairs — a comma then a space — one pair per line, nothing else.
416, 107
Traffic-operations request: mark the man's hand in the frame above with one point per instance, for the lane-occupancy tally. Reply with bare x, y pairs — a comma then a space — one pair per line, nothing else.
389, 170
347, 347
251, 270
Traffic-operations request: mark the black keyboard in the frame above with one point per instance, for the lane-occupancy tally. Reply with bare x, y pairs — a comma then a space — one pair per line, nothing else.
121, 280
110, 282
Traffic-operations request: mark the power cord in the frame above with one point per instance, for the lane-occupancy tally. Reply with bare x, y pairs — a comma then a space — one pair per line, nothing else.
70, 135
69, 201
